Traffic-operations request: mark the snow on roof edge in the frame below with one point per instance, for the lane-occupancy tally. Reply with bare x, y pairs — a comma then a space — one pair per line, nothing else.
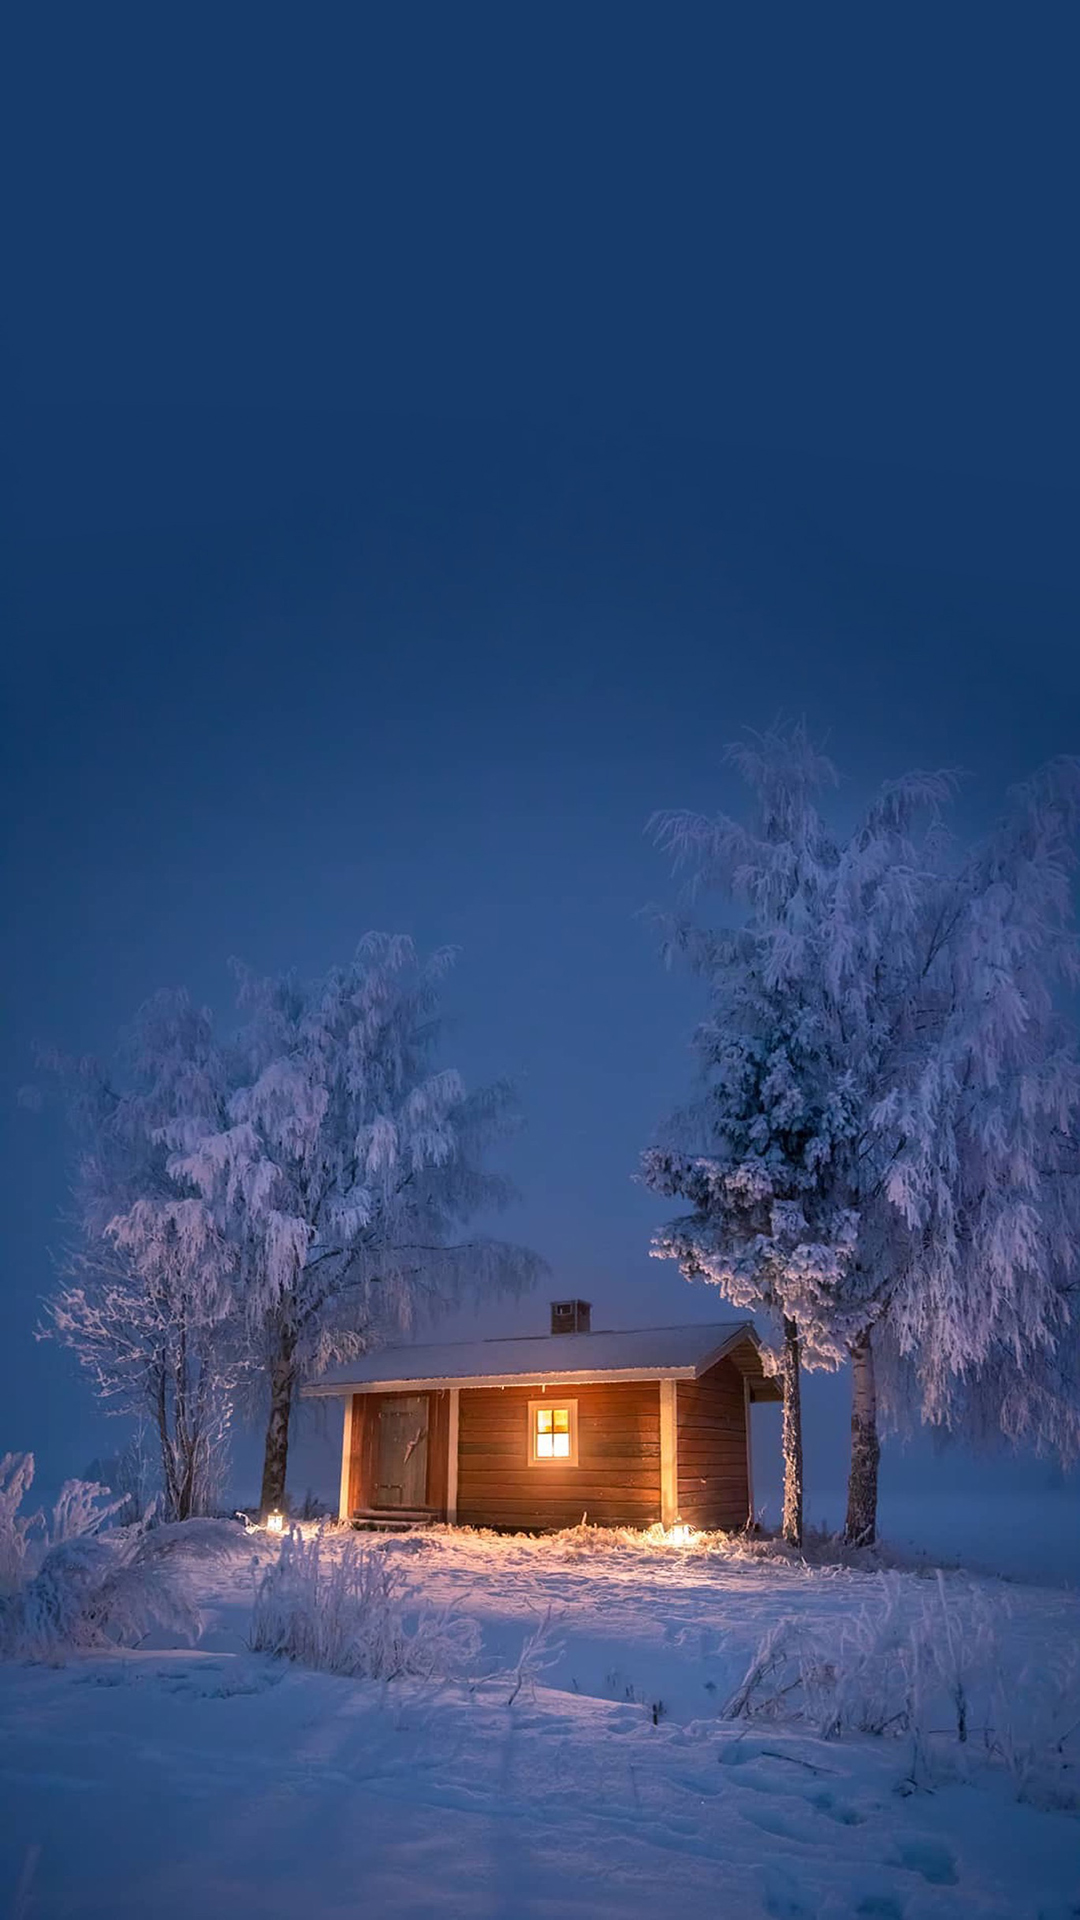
629, 1352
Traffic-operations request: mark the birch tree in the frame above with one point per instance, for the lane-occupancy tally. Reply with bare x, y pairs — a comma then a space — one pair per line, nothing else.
146, 1301
907, 1126
750, 1152
348, 1172
981, 1134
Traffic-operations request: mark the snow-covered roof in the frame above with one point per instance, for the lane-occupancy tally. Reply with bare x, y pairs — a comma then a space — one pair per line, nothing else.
633, 1353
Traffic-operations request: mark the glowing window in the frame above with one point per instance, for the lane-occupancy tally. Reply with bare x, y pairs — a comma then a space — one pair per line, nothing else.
552, 1432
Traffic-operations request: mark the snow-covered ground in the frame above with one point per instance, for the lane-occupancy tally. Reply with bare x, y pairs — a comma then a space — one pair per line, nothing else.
188, 1785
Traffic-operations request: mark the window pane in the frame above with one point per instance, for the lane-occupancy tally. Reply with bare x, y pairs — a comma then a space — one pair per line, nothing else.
552, 1432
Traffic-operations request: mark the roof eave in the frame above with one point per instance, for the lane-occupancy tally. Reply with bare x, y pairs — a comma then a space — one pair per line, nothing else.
745, 1332
764, 1386
436, 1383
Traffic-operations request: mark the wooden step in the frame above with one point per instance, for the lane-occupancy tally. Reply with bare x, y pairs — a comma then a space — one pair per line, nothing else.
391, 1519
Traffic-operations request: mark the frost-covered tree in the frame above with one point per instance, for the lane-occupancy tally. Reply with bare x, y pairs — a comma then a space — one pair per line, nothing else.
983, 1137
884, 1147
750, 1154
347, 1171
146, 1301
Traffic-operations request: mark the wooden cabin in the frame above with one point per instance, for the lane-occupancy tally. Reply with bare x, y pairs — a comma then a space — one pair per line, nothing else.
536, 1432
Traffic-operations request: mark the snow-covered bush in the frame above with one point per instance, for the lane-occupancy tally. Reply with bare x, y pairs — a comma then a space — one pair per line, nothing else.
130, 1477
935, 1674
16, 1529
348, 1612
539, 1650
69, 1586
877, 1671
1037, 1731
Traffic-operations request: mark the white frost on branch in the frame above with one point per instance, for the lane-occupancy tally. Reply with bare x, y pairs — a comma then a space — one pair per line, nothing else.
887, 1134
349, 1165
147, 1297
275, 1200
73, 1583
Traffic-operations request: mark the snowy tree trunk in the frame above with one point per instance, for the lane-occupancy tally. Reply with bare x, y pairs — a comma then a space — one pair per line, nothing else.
792, 1438
181, 1436
860, 1528
169, 1481
276, 1452
182, 1424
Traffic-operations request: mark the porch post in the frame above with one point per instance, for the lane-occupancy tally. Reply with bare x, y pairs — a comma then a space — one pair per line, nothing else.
749, 1452
452, 1457
346, 1459
669, 1453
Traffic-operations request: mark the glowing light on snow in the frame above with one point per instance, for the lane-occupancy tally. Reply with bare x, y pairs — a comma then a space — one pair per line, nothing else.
275, 1522
680, 1535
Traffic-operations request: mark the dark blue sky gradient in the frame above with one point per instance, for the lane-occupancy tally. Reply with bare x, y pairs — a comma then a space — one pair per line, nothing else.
433, 434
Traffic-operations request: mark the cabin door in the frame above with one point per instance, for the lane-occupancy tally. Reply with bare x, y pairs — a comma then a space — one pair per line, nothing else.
401, 1471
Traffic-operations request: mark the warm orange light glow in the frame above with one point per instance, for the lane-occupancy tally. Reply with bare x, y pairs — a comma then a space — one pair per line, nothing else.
275, 1522
553, 1433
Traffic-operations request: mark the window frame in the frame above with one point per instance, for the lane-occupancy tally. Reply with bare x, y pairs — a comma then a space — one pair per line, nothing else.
549, 1403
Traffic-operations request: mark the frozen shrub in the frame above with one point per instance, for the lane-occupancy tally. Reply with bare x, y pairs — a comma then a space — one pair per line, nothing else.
1036, 1732
130, 1477
935, 1673
879, 1671
539, 1651
16, 1530
69, 1585
347, 1612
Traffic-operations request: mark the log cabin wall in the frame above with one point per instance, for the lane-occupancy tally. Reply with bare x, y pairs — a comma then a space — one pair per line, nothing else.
616, 1481
711, 1418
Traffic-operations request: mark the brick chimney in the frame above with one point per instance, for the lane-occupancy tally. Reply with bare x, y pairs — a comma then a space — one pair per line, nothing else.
570, 1316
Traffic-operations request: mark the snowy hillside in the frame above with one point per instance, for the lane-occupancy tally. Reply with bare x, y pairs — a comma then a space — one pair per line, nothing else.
217, 1782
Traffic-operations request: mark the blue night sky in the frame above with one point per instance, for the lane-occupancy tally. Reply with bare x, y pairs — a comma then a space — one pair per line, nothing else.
431, 437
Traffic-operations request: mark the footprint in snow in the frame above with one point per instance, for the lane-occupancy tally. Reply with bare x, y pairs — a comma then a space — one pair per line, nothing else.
847, 1816
678, 1824
783, 1901
698, 1785
934, 1862
769, 1822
